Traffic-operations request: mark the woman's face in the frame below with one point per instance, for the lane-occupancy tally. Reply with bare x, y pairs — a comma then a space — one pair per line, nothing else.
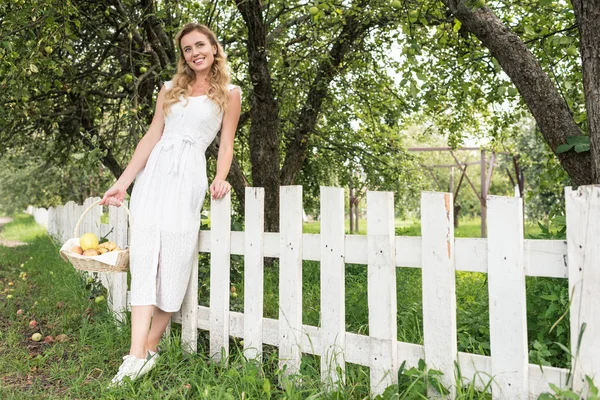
198, 53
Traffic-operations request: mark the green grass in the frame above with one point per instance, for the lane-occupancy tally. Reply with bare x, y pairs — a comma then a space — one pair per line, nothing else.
34, 279
37, 280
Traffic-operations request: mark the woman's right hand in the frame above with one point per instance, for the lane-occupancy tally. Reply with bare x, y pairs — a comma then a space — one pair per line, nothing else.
114, 196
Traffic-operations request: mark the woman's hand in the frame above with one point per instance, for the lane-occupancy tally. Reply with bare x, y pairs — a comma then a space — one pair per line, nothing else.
114, 196
219, 188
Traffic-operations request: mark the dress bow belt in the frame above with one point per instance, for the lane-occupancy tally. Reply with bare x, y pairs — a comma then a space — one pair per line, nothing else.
177, 143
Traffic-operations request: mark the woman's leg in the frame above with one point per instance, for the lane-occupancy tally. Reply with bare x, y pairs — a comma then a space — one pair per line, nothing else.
140, 323
160, 320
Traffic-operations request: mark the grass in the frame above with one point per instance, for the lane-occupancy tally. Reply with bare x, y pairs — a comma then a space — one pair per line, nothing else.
46, 289
63, 302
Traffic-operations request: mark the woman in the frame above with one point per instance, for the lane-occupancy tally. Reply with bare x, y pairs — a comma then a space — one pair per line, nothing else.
169, 168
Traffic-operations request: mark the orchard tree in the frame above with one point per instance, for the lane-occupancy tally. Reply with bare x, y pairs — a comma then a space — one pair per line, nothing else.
320, 81
83, 75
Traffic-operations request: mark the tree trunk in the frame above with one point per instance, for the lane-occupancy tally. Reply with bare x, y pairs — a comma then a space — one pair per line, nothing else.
264, 130
539, 93
587, 14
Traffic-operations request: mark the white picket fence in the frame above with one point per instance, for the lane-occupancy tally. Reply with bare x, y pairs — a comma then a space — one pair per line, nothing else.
505, 256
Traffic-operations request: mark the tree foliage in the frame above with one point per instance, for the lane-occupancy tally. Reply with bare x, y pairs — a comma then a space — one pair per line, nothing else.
328, 86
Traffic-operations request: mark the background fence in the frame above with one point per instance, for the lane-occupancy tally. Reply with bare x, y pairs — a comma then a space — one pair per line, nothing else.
505, 256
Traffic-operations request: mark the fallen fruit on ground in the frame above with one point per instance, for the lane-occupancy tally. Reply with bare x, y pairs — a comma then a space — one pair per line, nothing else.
99, 299
61, 338
19, 312
36, 337
33, 323
60, 304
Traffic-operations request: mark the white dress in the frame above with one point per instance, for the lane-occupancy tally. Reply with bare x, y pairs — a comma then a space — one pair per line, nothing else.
166, 202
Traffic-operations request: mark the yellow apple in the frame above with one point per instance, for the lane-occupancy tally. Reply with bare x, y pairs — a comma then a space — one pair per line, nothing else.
88, 241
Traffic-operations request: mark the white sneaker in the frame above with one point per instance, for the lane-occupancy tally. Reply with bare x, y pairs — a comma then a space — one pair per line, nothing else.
151, 359
132, 367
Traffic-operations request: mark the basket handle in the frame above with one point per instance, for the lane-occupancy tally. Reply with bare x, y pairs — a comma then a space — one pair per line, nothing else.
76, 230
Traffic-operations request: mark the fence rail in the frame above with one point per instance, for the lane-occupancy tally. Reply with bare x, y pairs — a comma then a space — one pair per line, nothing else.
505, 256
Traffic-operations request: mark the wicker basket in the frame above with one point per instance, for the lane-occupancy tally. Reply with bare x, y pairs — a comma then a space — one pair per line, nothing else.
108, 262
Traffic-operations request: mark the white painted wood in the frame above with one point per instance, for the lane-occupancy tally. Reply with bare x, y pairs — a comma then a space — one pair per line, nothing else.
117, 289
583, 240
439, 287
290, 278
220, 264
60, 226
470, 254
546, 258
333, 279
41, 217
52, 221
70, 219
382, 290
253, 272
408, 251
506, 285
542, 257
88, 222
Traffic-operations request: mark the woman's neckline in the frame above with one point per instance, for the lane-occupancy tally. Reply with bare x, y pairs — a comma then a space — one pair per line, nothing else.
202, 95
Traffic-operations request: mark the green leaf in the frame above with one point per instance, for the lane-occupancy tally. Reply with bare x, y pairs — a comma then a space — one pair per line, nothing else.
545, 2
551, 297
582, 147
457, 25
563, 148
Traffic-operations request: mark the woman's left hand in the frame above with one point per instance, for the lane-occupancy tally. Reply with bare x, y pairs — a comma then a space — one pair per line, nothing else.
219, 188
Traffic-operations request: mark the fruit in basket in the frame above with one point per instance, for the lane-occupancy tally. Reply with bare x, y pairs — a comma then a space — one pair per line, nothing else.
88, 241
90, 252
110, 245
77, 249
102, 250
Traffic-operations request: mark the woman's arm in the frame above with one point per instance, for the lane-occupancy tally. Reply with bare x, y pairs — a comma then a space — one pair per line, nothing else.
220, 186
117, 192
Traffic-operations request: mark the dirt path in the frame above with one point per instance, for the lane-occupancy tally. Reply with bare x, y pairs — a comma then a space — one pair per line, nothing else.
8, 243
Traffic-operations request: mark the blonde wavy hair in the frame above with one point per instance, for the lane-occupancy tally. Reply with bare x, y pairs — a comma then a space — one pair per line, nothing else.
218, 76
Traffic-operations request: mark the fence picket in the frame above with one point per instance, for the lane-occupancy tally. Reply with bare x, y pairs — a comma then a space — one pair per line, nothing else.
333, 302
253, 272
117, 281
52, 227
506, 285
290, 278
439, 286
583, 241
382, 290
220, 264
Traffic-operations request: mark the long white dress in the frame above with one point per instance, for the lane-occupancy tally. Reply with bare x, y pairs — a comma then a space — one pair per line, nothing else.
166, 202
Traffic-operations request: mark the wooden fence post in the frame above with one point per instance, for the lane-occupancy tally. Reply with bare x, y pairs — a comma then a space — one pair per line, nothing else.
383, 304
117, 282
290, 278
52, 221
506, 285
583, 247
439, 287
220, 264
253, 272
333, 280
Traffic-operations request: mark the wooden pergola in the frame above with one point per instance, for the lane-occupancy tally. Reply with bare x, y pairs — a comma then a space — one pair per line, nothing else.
487, 169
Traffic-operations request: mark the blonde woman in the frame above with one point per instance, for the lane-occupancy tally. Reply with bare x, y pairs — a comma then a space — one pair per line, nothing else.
169, 168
